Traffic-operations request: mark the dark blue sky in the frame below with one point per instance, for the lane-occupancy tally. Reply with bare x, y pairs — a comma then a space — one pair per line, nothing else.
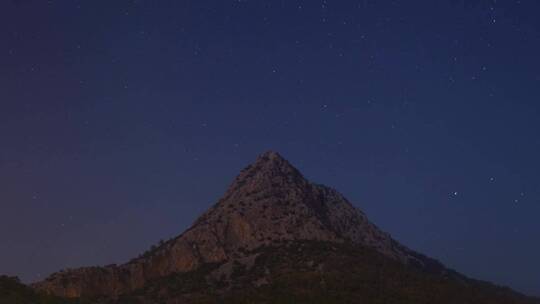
121, 121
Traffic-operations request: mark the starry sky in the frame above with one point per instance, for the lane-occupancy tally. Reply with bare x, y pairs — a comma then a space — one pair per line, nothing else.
121, 121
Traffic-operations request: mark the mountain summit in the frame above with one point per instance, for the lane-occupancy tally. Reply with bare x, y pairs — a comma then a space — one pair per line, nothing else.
269, 205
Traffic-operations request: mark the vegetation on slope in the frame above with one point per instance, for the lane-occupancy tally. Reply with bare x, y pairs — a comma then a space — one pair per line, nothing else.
297, 272
319, 272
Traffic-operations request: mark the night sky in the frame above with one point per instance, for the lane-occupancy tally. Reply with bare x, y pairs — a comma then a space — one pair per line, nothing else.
121, 121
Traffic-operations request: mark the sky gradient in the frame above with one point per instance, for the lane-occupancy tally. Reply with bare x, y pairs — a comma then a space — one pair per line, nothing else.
121, 121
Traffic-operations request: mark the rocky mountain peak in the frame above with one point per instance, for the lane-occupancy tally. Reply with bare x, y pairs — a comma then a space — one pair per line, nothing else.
269, 156
268, 203
269, 171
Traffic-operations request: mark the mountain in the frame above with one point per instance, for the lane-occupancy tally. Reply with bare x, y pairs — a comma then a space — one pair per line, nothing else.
276, 237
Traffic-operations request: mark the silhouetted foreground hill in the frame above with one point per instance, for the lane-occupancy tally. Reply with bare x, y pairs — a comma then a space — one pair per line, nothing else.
13, 292
275, 237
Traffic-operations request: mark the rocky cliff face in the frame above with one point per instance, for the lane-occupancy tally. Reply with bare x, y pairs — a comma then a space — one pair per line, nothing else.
268, 203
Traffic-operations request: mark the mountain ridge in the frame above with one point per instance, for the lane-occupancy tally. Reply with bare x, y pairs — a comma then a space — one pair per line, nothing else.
268, 204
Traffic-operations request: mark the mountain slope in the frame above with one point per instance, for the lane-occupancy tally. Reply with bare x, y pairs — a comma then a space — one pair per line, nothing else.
316, 272
269, 204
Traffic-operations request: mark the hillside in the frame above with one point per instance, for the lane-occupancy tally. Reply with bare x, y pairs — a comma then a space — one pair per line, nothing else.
276, 237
